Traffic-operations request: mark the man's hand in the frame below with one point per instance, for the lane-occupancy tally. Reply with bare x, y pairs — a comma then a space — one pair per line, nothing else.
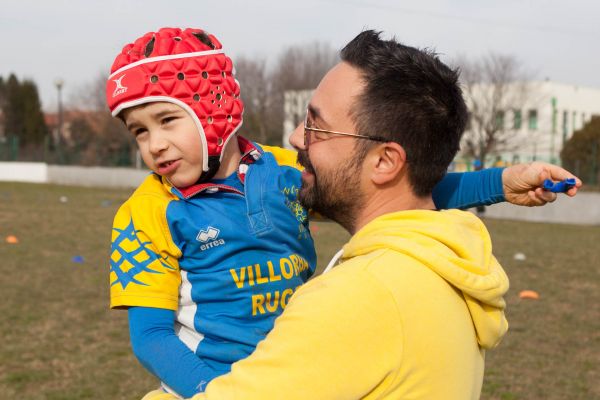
522, 183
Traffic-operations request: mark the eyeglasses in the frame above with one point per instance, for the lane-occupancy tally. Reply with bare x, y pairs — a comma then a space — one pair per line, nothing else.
324, 134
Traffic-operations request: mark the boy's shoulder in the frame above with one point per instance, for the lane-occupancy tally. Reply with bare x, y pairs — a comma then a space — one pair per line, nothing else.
147, 205
283, 157
152, 190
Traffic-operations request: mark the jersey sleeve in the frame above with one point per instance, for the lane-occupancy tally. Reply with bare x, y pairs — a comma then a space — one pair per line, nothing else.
162, 352
284, 157
469, 189
144, 267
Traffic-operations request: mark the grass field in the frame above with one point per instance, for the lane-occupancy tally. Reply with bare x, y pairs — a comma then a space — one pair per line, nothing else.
60, 341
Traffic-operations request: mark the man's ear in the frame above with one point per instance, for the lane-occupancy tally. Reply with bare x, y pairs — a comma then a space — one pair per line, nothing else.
389, 163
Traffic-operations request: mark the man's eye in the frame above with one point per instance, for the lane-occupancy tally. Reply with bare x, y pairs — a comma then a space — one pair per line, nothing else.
320, 135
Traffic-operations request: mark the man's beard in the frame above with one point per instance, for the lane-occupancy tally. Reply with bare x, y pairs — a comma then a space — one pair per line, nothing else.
336, 193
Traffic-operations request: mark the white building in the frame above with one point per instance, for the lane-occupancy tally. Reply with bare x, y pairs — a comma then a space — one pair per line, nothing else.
541, 124
294, 111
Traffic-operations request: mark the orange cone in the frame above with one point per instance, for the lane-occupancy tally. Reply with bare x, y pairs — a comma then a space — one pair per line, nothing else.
529, 294
11, 239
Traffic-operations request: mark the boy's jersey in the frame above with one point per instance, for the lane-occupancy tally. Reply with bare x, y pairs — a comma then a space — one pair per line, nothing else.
226, 261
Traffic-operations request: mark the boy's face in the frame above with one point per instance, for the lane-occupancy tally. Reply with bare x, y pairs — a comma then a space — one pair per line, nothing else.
168, 140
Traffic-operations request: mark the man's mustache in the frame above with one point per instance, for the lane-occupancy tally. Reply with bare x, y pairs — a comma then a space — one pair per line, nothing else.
303, 160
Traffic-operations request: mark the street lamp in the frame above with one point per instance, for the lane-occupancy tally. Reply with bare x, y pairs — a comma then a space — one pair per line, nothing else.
59, 83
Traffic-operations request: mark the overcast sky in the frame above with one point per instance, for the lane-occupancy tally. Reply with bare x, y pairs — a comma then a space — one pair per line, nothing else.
78, 40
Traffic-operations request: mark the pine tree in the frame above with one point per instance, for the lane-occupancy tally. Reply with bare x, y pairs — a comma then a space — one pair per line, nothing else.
581, 153
35, 129
22, 111
2, 93
13, 106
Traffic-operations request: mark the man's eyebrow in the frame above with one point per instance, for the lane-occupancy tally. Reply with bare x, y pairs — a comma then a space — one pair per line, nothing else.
316, 114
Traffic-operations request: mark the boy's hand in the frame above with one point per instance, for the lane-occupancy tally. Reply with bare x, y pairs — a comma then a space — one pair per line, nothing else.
522, 183
159, 395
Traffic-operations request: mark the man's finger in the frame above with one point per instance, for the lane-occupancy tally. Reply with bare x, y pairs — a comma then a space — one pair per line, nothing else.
559, 174
545, 195
572, 192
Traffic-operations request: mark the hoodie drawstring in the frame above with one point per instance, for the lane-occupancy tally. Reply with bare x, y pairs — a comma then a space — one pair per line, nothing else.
334, 260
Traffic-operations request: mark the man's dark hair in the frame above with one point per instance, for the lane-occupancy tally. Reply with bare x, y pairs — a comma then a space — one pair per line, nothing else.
411, 98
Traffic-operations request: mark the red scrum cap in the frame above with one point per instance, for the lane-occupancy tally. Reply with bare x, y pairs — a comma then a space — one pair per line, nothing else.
188, 68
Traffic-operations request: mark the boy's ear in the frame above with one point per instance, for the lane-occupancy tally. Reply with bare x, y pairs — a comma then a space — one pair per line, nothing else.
389, 162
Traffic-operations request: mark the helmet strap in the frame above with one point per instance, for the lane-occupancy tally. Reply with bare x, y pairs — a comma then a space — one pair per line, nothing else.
213, 166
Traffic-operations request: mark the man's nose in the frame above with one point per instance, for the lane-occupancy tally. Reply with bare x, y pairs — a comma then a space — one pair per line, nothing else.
297, 137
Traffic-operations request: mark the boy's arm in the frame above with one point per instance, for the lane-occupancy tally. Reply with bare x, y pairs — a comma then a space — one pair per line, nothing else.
161, 352
469, 189
144, 266
145, 275
519, 184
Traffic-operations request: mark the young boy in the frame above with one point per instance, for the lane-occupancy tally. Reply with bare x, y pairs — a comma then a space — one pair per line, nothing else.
209, 249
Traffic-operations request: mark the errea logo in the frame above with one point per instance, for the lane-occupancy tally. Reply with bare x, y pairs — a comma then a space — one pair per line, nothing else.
210, 237
120, 89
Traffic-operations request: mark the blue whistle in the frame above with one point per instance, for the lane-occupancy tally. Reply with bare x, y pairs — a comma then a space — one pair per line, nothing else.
559, 187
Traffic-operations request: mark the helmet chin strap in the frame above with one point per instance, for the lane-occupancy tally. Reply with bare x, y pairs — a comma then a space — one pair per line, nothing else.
213, 166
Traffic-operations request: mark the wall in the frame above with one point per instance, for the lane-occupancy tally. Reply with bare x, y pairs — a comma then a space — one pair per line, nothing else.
24, 172
96, 176
583, 209
71, 175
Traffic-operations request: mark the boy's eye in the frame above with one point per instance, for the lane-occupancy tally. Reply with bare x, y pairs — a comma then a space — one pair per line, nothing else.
166, 120
138, 131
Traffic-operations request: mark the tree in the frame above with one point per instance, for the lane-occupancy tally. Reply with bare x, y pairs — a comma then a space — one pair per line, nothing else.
298, 67
256, 93
91, 95
35, 129
2, 93
581, 153
495, 86
97, 137
23, 112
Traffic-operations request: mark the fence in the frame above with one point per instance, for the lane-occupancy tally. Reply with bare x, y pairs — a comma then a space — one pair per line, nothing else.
66, 154
583, 209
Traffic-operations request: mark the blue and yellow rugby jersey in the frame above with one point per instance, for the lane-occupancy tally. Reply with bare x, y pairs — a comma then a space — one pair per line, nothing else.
227, 261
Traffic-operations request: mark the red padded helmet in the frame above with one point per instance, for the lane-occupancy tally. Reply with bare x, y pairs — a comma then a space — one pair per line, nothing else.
188, 68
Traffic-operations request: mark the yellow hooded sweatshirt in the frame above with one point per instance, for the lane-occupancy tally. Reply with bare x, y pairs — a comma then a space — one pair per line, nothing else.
406, 315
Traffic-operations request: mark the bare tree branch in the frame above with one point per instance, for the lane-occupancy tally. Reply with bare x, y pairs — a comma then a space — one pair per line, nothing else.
494, 87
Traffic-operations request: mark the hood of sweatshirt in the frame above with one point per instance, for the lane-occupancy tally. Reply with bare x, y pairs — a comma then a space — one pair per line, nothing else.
456, 246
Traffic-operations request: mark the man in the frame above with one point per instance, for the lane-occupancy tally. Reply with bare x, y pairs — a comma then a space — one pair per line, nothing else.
417, 298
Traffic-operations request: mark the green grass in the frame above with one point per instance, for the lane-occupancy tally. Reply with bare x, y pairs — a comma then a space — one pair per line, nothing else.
61, 342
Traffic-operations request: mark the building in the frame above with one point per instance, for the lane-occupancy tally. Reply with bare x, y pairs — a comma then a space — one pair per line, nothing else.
294, 112
537, 118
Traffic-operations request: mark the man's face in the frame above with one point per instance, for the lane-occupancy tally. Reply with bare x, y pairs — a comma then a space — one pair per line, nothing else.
168, 140
331, 181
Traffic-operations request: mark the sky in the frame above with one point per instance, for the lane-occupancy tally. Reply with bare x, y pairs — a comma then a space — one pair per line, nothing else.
77, 41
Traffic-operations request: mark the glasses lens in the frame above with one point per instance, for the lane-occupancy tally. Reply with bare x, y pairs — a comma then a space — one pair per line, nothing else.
306, 132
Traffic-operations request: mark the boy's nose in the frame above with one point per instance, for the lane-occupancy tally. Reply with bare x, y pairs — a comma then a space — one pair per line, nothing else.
297, 137
158, 143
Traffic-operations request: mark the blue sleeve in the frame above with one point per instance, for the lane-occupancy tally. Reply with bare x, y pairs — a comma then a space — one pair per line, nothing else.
469, 189
161, 352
